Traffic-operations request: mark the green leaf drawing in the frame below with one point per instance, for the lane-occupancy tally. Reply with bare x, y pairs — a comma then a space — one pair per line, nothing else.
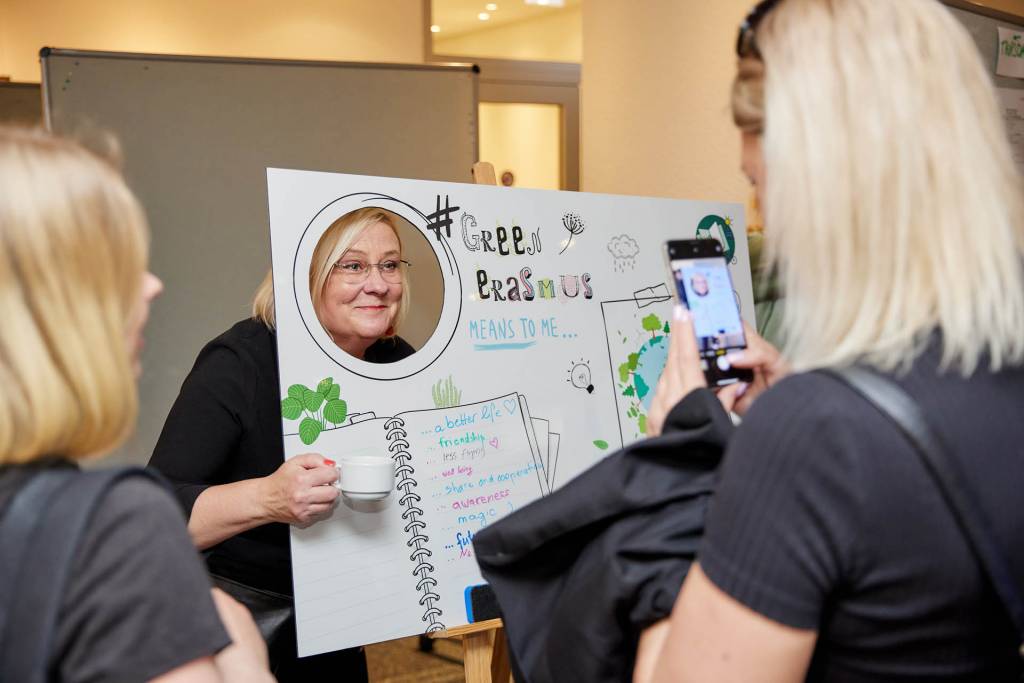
629, 391
304, 404
642, 421
312, 400
291, 408
624, 372
601, 443
309, 429
634, 360
651, 323
335, 411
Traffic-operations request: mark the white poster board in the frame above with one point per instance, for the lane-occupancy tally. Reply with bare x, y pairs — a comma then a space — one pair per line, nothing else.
551, 337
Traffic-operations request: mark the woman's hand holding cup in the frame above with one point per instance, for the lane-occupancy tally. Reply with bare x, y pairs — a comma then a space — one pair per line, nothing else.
300, 491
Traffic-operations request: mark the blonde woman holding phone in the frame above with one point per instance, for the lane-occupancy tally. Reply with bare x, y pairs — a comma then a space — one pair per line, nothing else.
894, 217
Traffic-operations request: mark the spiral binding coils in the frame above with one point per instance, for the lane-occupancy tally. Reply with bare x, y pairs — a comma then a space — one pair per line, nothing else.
414, 525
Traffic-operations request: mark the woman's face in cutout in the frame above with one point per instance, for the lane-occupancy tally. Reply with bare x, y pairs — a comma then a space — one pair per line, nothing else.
356, 314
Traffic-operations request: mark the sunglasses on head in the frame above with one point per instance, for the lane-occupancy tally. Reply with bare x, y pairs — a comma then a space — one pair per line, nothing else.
745, 43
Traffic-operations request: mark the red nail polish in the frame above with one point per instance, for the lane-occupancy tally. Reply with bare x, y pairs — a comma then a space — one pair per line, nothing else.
329, 463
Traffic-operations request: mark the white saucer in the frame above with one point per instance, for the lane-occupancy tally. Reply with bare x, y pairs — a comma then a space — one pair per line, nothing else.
363, 495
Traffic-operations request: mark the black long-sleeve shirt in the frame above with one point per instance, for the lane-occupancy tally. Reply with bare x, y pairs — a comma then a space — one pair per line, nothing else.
225, 426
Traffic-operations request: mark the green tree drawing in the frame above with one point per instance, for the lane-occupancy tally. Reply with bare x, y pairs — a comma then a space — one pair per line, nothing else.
652, 324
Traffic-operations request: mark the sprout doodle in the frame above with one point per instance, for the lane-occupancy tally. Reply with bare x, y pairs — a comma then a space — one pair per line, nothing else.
445, 393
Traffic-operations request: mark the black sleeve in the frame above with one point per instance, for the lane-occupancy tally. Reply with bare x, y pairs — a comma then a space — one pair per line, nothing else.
701, 413
138, 600
782, 528
206, 423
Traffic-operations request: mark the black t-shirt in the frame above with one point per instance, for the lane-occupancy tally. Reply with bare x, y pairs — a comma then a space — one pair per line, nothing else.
826, 519
137, 601
225, 426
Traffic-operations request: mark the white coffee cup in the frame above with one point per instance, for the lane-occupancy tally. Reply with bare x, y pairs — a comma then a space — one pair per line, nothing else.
365, 477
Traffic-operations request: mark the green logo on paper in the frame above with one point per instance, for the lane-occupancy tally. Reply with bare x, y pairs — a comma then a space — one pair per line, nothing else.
718, 228
1013, 48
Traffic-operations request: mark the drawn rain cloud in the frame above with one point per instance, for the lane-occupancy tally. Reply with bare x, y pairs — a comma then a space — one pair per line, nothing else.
624, 250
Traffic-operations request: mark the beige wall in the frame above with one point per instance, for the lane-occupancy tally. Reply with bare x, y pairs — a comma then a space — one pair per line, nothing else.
503, 130
655, 98
353, 30
4, 26
556, 38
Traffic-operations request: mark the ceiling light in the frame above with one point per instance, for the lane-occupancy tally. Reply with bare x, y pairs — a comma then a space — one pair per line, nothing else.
491, 7
483, 16
435, 28
546, 3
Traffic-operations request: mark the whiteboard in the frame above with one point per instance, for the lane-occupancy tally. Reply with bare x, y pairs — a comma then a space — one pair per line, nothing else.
552, 336
198, 134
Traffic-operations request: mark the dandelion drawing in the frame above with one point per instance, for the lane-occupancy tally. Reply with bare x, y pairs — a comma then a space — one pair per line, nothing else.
574, 224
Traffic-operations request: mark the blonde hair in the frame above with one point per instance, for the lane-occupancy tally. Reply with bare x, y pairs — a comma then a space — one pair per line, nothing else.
335, 241
263, 301
892, 206
73, 251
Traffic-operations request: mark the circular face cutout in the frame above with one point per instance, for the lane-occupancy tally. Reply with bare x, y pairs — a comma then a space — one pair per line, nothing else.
377, 293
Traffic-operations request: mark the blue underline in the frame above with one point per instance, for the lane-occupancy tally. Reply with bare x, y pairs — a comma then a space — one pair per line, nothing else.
503, 347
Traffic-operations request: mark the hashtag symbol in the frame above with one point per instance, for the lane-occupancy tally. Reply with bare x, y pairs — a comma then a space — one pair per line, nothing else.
441, 219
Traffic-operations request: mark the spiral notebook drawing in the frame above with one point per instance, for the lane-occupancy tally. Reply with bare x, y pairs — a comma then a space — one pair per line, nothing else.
389, 569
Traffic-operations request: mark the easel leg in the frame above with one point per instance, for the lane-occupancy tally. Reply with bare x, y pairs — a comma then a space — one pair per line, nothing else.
476, 657
500, 667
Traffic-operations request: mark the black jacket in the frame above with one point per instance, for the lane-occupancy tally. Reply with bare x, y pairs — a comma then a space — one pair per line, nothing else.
580, 573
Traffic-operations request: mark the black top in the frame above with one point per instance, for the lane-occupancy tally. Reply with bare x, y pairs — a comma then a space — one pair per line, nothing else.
826, 519
225, 426
137, 602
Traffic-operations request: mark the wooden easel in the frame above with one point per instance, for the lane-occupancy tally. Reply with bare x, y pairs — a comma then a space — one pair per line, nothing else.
484, 646
484, 651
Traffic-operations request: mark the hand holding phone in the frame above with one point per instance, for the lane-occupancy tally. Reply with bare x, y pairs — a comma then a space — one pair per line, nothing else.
703, 285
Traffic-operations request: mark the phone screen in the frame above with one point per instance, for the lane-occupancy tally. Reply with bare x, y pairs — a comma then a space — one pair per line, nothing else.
705, 288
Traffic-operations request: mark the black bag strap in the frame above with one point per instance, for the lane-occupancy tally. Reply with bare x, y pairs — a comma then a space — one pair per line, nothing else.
891, 400
39, 533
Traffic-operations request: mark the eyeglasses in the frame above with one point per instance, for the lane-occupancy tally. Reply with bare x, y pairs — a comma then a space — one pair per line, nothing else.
745, 43
356, 272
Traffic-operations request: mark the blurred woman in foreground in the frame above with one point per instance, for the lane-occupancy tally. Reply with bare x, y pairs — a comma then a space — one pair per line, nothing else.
75, 295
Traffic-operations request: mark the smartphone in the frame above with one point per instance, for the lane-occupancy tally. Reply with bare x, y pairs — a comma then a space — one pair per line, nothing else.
704, 286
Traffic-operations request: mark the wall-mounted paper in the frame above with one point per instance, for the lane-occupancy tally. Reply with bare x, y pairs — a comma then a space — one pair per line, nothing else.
1010, 60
